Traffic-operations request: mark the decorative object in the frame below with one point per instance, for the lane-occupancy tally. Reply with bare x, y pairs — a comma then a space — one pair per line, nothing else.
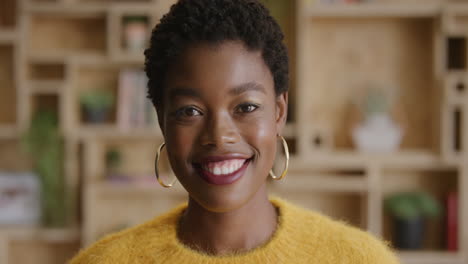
97, 104
133, 108
44, 143
377, 131
410, 211
135, 33
19, 199
113, 162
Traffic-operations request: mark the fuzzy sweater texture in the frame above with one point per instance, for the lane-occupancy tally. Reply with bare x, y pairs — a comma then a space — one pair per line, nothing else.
302, 236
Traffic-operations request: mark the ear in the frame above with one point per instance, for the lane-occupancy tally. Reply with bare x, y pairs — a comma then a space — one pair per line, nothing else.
281, 112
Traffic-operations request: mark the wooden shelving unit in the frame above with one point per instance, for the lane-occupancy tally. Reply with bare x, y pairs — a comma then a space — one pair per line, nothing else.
51, 51
419, 48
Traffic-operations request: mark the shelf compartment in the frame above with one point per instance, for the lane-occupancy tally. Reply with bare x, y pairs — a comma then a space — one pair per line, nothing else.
347, 207
112, 132
435, 257
456, 87
8, 10
46, 72
438, 183
8, 113
45, 102
13, 157
393, 53
329, 181
42, 252
45, 87
116, 43
453, 135
352, 160
136, 163
104, 199
375, 10
113, 1
7, 36
94, 77
456, 17
456, 53
59, 35
39, 233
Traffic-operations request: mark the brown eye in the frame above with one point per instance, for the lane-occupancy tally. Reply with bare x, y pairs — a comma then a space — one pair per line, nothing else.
188, 111
247, 108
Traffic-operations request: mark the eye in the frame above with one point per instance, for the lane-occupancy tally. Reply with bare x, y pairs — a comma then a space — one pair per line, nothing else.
187, 111
246, 108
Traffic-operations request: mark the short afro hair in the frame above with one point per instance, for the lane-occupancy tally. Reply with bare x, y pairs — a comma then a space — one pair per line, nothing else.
191, 22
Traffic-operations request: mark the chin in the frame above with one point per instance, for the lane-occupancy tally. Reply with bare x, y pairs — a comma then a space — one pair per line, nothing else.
225, 198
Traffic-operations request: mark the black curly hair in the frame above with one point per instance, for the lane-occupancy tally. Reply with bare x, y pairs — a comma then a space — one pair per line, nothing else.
214, 21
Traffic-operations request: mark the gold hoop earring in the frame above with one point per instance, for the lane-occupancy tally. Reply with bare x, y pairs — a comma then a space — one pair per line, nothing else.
286, 153
158, 154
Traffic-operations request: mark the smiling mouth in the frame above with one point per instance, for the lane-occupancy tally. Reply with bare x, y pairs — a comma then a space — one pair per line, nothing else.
222, 172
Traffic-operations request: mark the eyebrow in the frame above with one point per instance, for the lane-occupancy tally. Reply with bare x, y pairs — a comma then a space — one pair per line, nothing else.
250, 86
237, 90
183, 91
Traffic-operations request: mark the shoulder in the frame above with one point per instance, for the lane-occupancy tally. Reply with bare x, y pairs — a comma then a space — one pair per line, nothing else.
334, 241
124, 246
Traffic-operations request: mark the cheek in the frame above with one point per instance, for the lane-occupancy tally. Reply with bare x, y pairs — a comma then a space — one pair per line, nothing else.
262, 136
179, 142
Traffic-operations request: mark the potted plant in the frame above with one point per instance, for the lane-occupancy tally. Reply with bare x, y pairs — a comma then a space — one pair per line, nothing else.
43, 141
377, 131
410, 210
97, 104
113, 164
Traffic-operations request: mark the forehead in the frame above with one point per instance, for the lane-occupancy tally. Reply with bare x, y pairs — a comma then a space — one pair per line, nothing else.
222, 66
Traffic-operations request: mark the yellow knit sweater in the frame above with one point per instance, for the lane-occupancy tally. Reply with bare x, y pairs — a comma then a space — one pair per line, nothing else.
302, 236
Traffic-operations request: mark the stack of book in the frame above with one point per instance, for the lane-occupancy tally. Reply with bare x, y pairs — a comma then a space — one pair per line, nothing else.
134, 109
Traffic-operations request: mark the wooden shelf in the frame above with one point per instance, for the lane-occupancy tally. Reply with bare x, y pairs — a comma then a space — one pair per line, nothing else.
356, 160
394, 10
46, 87
431, 257
60, 57
112, 132
67, 9
86, 9
314, 182
127, 58
39, 233
7, 36
114, 188
8, 132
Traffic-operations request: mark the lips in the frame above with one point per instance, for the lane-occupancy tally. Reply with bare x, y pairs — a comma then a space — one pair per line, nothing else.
222, 170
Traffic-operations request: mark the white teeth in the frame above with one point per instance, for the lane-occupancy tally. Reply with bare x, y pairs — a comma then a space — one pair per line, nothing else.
224, 167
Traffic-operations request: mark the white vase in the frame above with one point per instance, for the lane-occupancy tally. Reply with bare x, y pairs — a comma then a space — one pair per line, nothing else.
135, 36
378, 133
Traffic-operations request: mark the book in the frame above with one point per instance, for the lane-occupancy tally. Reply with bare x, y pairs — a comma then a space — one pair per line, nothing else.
452, 221
134, 110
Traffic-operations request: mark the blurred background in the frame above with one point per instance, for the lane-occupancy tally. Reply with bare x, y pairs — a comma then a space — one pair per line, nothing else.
376, 127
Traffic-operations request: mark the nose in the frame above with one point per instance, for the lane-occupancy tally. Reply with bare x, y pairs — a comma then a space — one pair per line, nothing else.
220, 129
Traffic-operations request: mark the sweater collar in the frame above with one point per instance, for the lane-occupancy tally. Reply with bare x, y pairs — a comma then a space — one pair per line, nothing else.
274, 244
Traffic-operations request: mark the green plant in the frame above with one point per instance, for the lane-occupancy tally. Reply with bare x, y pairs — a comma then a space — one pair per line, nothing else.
412, 205
96, 100
138, 19
113, 159
42, 140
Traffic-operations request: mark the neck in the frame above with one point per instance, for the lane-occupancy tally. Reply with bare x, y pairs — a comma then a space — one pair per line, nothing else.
236, 231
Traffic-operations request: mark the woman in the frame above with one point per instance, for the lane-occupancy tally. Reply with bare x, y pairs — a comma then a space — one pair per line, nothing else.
218, 74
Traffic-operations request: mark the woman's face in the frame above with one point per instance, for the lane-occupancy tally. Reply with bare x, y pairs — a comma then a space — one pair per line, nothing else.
220, 120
